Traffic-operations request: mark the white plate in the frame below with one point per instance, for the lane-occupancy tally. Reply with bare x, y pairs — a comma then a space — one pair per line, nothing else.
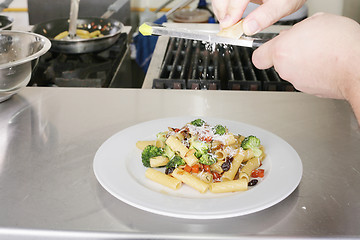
118, 168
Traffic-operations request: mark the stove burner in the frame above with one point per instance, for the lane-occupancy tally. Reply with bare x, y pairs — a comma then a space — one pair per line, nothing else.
190, 64
80, 70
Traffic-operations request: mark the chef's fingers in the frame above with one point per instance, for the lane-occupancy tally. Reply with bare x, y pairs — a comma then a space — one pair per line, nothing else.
235, 11
262, 57
220, 8
274, 53
229, 12
268, 13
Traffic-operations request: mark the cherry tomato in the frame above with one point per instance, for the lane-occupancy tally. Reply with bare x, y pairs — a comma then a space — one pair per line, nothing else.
206, 138
207, 168
187, 168
195, 168
216, 175
257, 173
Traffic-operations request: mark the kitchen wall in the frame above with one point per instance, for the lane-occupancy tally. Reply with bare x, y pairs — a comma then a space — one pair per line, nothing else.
352, 9
349, 8
330, 6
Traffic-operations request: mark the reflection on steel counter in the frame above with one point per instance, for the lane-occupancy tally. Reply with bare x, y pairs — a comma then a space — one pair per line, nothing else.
107, 68
190, 64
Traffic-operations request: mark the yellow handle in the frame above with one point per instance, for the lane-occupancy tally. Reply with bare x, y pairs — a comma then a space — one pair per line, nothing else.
145, 29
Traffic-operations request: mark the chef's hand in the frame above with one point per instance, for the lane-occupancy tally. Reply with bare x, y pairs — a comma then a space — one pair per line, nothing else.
229, 12
319, 56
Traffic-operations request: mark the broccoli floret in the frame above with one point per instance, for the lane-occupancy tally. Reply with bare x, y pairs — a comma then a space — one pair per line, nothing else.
168, 152
219, 129
202, 152
253, 143
198, 122
198, 154
161, 136
207, 159
150, 152
200, 147
175, 162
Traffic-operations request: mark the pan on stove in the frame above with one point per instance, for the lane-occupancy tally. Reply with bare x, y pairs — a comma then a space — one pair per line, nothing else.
110, 28
6, 22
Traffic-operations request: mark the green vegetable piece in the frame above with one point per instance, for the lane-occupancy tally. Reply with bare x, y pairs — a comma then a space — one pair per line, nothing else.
168, 152
175, 162
150, 152
161, 136
219, 129
200, 147
198, 122
207, 159
198, 154
253, 143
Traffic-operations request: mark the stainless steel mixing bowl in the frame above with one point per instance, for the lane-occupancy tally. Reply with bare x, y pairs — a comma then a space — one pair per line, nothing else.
17, 51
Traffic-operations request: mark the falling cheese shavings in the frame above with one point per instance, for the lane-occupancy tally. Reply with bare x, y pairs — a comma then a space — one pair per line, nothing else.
145, 29
235, 31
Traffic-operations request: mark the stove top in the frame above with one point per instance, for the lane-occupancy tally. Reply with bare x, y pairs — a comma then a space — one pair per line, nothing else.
100, 69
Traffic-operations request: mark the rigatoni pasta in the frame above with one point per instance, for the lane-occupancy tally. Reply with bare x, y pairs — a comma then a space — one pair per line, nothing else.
142, 144
203, 157
190, 180
235, 165
163, 179
159, 161
229, 186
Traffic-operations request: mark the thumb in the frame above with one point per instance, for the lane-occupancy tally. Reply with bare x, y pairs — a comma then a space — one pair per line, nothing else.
262, 57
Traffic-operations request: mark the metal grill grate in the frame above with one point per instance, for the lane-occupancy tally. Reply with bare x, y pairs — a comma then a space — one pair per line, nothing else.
190, 64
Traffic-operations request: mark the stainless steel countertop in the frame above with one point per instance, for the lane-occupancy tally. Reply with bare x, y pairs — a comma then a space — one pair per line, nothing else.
49, 136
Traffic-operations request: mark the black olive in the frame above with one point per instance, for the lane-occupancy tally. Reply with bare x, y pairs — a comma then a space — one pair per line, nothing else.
169, 170
253, 182
225, 166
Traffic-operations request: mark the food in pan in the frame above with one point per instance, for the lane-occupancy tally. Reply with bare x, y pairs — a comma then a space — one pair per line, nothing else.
80, 33
203, 157
235, 31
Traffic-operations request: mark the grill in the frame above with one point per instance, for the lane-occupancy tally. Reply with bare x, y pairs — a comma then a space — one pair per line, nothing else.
190, 64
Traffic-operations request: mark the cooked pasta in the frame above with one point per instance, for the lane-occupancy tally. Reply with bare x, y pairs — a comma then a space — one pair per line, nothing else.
236, 163
163, 179
158, 161
190, 180
203, 157
229, 186
142, 144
